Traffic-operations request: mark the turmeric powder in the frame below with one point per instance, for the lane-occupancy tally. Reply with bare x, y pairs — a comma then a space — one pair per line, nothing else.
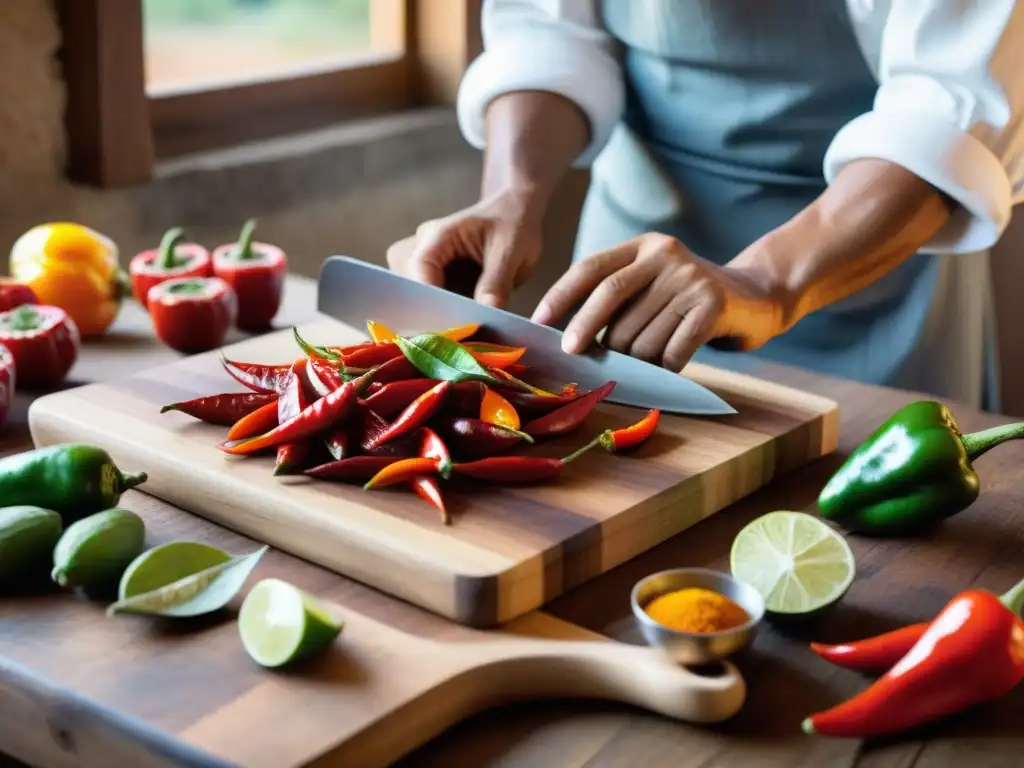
696, 610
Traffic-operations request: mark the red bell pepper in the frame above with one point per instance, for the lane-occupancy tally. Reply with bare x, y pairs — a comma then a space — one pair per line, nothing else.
971, 653
13, 294
223, 409
192, 314
43, 341
256, 272
7, 382
172, 259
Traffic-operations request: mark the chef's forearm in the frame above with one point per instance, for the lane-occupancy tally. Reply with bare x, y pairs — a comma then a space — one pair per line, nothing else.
873, 216
533, 137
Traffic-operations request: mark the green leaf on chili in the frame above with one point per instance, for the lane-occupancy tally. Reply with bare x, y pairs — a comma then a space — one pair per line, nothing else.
314, 351
437, 357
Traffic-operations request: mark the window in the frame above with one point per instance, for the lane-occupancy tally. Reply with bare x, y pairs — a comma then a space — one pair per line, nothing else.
158, 78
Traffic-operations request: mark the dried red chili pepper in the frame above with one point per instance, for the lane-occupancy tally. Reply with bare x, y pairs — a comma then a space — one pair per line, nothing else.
878, 654
391, 398
568, 417
511, 470
427, 489
402, 471
415, 415
972, 652
320, 416
495, 409
474, 439
433, 447
223, 409
263, 419
353, 468
257, 376
340, 444
616, 440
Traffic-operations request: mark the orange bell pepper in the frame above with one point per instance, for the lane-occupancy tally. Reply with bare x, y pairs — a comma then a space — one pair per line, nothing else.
75, 268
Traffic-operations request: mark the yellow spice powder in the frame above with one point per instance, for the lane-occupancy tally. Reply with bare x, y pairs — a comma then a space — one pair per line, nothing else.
696, 610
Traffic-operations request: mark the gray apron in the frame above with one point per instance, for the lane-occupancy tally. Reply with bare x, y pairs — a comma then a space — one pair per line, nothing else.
731, 105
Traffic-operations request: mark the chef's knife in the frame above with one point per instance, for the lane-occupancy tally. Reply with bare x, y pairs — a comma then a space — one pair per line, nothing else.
355, 291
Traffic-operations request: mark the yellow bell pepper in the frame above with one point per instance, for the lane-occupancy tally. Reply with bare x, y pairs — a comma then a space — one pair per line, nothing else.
75, 268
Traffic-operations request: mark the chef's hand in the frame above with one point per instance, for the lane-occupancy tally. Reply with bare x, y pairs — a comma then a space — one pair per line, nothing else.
501, 234
661, 303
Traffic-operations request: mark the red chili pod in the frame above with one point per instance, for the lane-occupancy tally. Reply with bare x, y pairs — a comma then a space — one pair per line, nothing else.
511, 470
371, 426
616, 440
402, 471
354, 468
427, 489
569, 417
257, 376
291, 457
415, 415
370, 356
475, 439
391, 398
396, 369
433, 447
340, 443
263, 419
224, 409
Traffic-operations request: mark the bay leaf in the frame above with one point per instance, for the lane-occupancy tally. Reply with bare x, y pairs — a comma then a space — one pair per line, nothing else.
438, 357
197, 594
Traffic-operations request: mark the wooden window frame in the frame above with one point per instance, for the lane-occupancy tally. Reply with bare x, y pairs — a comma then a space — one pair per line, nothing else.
116, 130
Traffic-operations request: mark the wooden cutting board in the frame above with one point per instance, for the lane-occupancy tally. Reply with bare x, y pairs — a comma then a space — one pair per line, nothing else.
509, 550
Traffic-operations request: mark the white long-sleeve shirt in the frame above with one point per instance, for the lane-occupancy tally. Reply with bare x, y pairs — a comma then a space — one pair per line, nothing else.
949, 106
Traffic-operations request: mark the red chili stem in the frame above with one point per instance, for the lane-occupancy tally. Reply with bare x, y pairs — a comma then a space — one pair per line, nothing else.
353, 468
259, 421
511, 470
166, 258
415, 414
433, 447
243, 249
320, 416
427, 489
224, 409
569, 417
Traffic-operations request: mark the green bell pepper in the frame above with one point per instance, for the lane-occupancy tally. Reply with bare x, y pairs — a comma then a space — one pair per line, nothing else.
914, 471
73, 480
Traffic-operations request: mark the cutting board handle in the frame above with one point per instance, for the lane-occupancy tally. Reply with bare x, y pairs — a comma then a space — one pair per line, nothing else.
644, 677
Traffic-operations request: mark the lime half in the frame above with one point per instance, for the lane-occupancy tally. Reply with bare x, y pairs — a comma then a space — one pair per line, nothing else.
797, 562
281, 624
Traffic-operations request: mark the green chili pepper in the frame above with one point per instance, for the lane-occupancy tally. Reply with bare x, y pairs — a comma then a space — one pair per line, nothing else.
72, 479
914, 471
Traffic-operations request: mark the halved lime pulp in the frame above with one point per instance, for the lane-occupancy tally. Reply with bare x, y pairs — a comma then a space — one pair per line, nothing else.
281, 624
798, 563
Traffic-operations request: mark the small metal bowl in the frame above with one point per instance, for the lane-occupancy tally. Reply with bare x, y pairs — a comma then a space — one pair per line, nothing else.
697, 647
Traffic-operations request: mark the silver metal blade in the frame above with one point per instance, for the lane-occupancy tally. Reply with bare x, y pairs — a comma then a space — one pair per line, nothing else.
354, 291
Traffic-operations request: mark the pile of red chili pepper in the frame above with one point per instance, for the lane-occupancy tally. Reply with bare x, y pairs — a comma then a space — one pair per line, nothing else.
408, 412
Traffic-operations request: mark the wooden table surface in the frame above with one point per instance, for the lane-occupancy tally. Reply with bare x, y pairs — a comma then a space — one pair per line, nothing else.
899, 581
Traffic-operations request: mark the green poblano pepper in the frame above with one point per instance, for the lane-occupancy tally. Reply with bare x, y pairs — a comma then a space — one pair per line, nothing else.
71, 479
914, 471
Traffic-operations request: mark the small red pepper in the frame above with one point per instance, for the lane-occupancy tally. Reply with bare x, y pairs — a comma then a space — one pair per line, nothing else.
354, 468
495, 355
569, 417
534, 405
511, 470
256, 272
223, 409
475, 439
319, 417
43, 341
263, 419
7, 382
340, 444
464, 398
192, 314
172, 259
371, 355
878, 654
14, 294
324, 377
433, 447
496, 410
401, 471
517, 369
427, 489
971, 653
257, 376
396, 369
391, 398
415, 415
372, 426
293, 401
615, 440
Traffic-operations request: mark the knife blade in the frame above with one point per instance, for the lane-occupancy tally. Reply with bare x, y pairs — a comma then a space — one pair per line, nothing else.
355, 291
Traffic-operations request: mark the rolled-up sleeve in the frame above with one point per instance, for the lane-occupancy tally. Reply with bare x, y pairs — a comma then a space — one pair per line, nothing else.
557, 46
950, 109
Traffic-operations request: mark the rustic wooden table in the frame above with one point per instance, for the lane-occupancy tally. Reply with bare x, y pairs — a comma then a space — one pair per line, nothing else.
898, 582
